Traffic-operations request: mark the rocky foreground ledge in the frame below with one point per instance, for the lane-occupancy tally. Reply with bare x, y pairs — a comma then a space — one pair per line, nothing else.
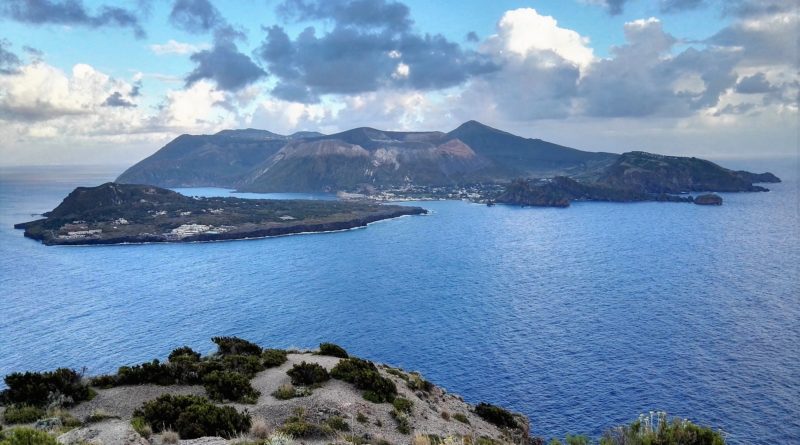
246, 395
123, 213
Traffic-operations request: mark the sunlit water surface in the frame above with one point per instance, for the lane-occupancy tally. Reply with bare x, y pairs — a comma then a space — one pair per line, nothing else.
581, 318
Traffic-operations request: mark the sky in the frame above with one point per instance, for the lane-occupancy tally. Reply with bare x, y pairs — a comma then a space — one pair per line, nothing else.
110, 82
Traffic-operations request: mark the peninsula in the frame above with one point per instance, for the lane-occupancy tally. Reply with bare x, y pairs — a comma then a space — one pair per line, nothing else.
125, 213
243, 394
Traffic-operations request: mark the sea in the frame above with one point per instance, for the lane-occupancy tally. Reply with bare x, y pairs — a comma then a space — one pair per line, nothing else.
581, 318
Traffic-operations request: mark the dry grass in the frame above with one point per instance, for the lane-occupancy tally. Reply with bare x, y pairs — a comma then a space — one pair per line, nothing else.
259, 429
170, 437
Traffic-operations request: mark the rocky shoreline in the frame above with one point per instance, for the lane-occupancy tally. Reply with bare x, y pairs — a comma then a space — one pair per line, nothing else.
137, 214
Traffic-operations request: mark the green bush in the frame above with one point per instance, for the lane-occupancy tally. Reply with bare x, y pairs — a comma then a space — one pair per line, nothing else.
273, 357
577, 440
244, 364
308, 374
365, 375
184, 353
153, 372
104, 381
227, 385
403, 425
403, 405
656, 428
26, 436
332, 350
361, 418
193, 417
337, 423
142, 427
22, 414
461, 417
496, 415
235, 345
42, 388
415, 382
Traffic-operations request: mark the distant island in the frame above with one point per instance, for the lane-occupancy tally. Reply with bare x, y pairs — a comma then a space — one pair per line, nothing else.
245, 394
474, 162
125, 213
638, 176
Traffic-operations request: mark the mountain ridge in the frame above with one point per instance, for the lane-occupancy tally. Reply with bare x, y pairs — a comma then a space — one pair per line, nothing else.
256, 160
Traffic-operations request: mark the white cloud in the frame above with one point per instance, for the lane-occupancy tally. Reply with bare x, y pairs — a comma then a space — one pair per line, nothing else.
524, 31
175, 47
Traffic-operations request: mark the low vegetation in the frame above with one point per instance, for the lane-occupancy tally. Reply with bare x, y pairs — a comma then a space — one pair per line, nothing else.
26, 436
308, 374
461, 417
22, 414
496, 415
332, 350
62, 387
225, 375
192, 417
403, 405
228, 385
365, 376
657, 428
297, 426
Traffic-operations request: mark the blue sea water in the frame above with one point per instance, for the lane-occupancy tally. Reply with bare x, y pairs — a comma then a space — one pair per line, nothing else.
581, 318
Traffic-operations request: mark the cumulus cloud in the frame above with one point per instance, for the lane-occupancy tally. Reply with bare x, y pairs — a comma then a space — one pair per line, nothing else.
70, 12
195, 16
9, 62
755, 84
524, 31
116, 99
225, 65
222, 63
370, 47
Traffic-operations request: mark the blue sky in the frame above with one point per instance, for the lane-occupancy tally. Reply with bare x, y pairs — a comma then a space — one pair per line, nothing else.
706, 77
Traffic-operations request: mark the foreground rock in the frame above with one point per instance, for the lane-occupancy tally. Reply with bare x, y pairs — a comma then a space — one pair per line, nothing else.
123, 213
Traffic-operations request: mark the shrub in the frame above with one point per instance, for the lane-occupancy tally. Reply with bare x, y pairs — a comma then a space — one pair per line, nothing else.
361, 418
227, 385
445, 415
26, 436
403, 426
332, 350
41, 388
365, 375
142, 427
244, 364
22, 414
461, 418
235, 345
304, 430
104, 381
577, 440
184, 353
192, 417
308, 374
415, 382
496, 415
656, 428
273, 357
150, 372
403, 405
337, 423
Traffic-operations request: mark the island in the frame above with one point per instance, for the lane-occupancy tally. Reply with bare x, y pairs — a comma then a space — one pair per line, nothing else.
245, 394
637, 176
129, 213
